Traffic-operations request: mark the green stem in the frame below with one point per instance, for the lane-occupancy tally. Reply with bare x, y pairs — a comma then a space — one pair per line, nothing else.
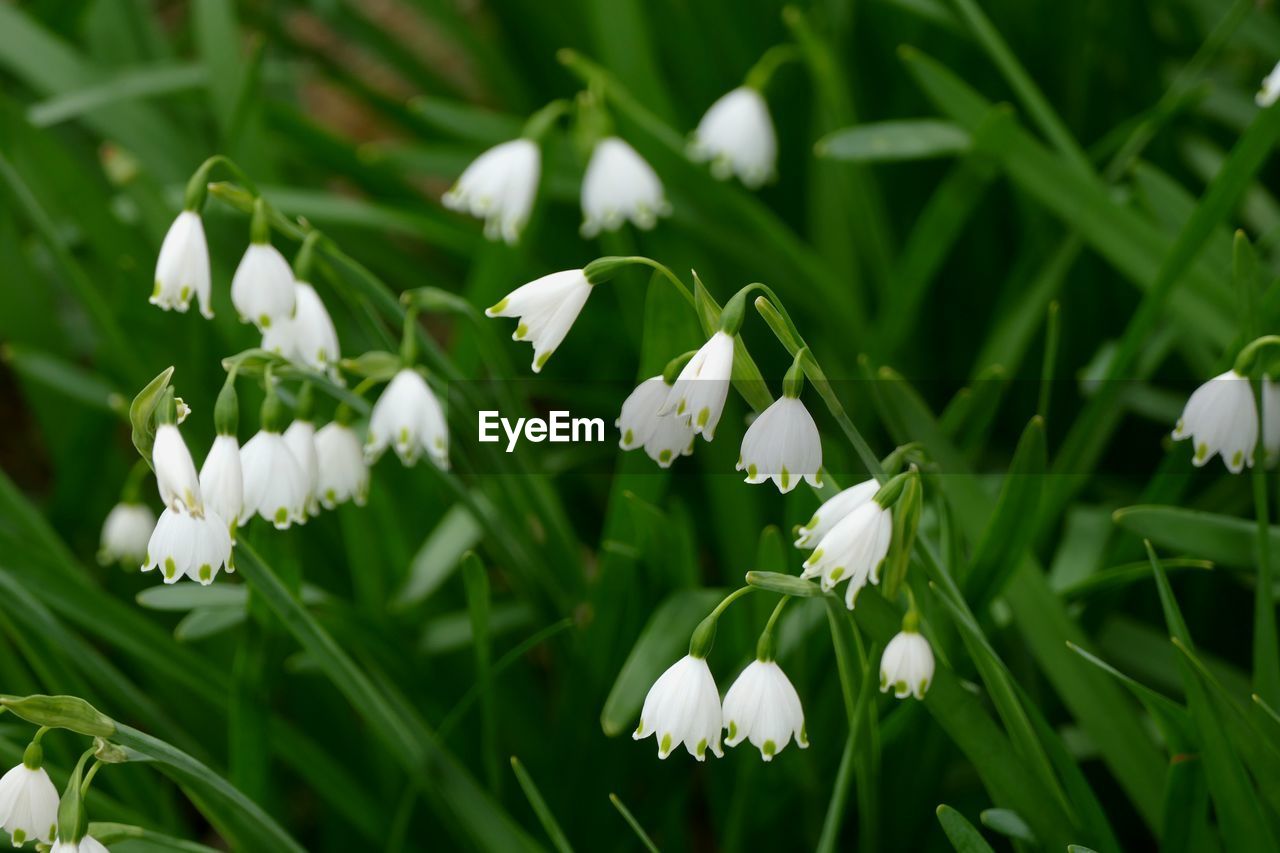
774, 58
704, 636
1266, 662
1052, 333
765, 647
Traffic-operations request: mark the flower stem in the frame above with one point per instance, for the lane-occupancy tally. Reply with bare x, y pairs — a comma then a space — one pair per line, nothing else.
620, 260
765, 648
704, 636
1266, 664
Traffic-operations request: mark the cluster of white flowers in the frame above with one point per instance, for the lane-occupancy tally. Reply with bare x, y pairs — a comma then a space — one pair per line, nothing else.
29, 807
683, 706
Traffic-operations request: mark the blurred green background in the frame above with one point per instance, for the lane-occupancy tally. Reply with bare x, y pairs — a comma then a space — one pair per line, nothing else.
940, 263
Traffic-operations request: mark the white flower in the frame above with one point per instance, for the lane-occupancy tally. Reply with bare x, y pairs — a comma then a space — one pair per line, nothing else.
185, 544
853, 550
620, 185
499, 187
545, 310
1220, 417
763, 707
663, 437
1270, 420
125, 533
28, 804
182, 269
222, 481
262, 287
301, 439
175, 471
833, 511
782, 444
1269, 92
275, 486
88, 844
308, 337
906, 665
737, 136
683, 706
343, 471
408, 416
703, 385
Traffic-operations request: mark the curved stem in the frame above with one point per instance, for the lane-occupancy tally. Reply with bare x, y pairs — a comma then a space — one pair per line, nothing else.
654, 265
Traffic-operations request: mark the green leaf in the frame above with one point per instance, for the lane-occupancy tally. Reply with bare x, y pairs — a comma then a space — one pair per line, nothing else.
888, 141
962, 834
545, 817
1223, 539
437, 559
134, 84
476, 580
633, 823
142, 412
83, 386
1008, 824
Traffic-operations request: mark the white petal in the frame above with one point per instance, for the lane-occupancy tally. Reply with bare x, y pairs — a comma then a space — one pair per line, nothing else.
262, 287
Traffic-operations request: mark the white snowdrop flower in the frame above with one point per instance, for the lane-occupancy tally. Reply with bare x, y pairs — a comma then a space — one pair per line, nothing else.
182, 544
262, 288
737, 136
175, 471
1270, 420
1269, 92
663, 437
343, 471
683, 706
499, 187
88, 844
28, 801
125, 533
703, 385
275, 485
301, 439
222, 481
182, 268
763, 707
408, 417
308, 337
907, 665
545, 310
620, 185
833, 511
1220, 417
853, 550
782, 444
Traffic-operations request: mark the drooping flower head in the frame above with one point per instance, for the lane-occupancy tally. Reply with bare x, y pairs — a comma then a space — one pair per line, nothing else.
683, 706
222, 474
88, 844
499, 187
700, 391
1221, 418
275, 487
833, 511
545, 310
186, 545
620, 185
763, 707
907, 665
262, 288
852, 551
782, 444
28, 800
125, 533
736, 135
640, 424
176, 476
408, 417
308, 337
1269, 91
182, 267
300, 437
343, 472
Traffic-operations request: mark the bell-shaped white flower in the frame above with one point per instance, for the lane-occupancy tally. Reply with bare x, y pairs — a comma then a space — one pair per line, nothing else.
737, 136
301, 439
343, 472
499, 187
683, 706
308, 337
763, 707
907, 665
88, 844
832, 511
275, 486
175, 471
619, 185
182, 268
125, 533
28, 802
703, 385
262, 288
222, 481
183, 544
1221, 417
545, 310
852, 551
409, 418
1269, 91
782, 444
640, 424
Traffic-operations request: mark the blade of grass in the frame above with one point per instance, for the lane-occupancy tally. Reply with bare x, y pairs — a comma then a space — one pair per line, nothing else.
633, 823
476, 581
962, 834
539, 805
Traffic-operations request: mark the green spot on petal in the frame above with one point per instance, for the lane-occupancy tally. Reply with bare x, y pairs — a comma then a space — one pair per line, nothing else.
521, 331
701, 748
816, 555
786, 478
170, 567
664, 456
1238, 459
155, 291
628, 437
185, 294
403, 440
498, 308
901, 687
769, 747
752, 471
542, 360
19, 837
665, 745
1201, 452
733, 730
837, 573
264, 321
704, 416
282, 515
206, 572
331, 496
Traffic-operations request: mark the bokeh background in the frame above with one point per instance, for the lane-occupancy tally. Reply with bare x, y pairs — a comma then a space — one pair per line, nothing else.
939, 264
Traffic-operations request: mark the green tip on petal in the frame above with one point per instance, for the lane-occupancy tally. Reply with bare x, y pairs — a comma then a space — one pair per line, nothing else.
752, 471
521, 331
664, 456
704, 416
900, 688
206, 572
733, 730
1238, 459
19, 837
264, 321
769, 747
815, 556
786, 478
170, 567
837, 573
282, 515
185, 294
494, 309
331, 496
155, 291
640, 726
1201, 452
665, 745
542, 360
701, 748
